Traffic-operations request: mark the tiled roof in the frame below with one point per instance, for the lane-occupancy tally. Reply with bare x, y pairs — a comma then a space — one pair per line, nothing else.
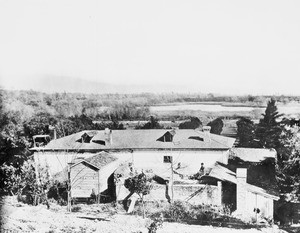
252, 154
139, 139
101, 159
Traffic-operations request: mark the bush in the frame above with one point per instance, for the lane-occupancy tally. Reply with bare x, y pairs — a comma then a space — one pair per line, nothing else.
23, 182
155, 225
76, 209
58, 191
184, 212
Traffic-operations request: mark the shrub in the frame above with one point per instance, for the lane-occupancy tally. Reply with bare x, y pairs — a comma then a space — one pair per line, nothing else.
180, 211
58, 191
29, 188
75, 209
155, 225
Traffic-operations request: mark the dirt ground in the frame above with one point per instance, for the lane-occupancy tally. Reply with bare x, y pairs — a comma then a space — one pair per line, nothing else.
18, 217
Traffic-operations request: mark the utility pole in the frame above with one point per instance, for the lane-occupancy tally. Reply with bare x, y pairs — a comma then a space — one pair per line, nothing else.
172, 180
98, 195
69, 188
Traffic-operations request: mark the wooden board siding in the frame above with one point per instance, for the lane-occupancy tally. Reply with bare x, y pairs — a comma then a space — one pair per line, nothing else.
84, 179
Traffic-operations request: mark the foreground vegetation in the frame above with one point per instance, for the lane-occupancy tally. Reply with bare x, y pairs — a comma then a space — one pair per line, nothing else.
18, 217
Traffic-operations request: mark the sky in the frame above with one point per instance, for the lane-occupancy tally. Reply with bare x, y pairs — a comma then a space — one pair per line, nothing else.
218, 46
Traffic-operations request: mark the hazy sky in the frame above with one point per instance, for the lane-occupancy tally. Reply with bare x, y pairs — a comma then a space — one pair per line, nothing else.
210, 46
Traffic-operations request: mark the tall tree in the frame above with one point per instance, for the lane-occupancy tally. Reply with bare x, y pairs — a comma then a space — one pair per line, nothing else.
269, 128
246, 132
288, 161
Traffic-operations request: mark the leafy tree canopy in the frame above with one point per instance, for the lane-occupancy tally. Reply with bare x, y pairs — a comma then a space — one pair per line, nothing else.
193, 123
216, 126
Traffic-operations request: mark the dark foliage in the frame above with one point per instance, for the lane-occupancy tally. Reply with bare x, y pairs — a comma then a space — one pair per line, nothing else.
216, 126
269, 128
193, 123
139, 184
151, 124
246, 133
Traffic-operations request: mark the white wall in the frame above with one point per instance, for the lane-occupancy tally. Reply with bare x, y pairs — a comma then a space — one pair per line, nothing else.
56, 161
265, 204
190, 159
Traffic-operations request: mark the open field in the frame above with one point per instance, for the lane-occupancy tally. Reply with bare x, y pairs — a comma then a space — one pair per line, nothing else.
16, 217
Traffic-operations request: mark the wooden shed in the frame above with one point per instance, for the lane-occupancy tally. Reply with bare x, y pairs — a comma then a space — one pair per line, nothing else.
84, 179
92, 175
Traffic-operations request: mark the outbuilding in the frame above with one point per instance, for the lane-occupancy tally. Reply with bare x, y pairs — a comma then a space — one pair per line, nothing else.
93, 175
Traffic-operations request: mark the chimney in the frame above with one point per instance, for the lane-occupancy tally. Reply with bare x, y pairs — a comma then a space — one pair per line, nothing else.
206, 129
108, 135
52, 130
241, 190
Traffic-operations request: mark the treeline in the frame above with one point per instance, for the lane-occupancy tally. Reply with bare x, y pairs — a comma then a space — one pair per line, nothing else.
115, 106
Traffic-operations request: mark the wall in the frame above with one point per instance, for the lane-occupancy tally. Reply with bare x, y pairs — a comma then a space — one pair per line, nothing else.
194, 194
191, 160
84, 179
57, 161
266, 205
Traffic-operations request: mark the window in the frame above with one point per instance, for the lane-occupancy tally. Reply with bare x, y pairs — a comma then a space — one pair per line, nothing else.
101, 142
196, 138
167, 137
85, 138
167, 159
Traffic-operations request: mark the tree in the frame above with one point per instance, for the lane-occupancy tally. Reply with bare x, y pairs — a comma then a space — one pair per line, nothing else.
246, 132
269, 128
216, 126
151, 124
39, 124
114, 125
13, 142
288, 161
193, 123
139, 184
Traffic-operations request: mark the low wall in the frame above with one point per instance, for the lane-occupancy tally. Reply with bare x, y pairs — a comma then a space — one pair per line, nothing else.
194, 194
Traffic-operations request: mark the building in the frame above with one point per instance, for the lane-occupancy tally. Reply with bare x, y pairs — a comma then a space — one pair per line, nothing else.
148, 149
243, 178
93, 175
248, 181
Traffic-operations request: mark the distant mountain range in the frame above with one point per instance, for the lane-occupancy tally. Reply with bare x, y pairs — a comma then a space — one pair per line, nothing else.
50, 84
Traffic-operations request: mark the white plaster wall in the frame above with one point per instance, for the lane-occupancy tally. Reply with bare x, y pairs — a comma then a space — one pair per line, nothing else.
265, 205
56, 161
190, 159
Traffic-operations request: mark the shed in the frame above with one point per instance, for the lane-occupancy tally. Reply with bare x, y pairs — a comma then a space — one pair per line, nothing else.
91, 175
